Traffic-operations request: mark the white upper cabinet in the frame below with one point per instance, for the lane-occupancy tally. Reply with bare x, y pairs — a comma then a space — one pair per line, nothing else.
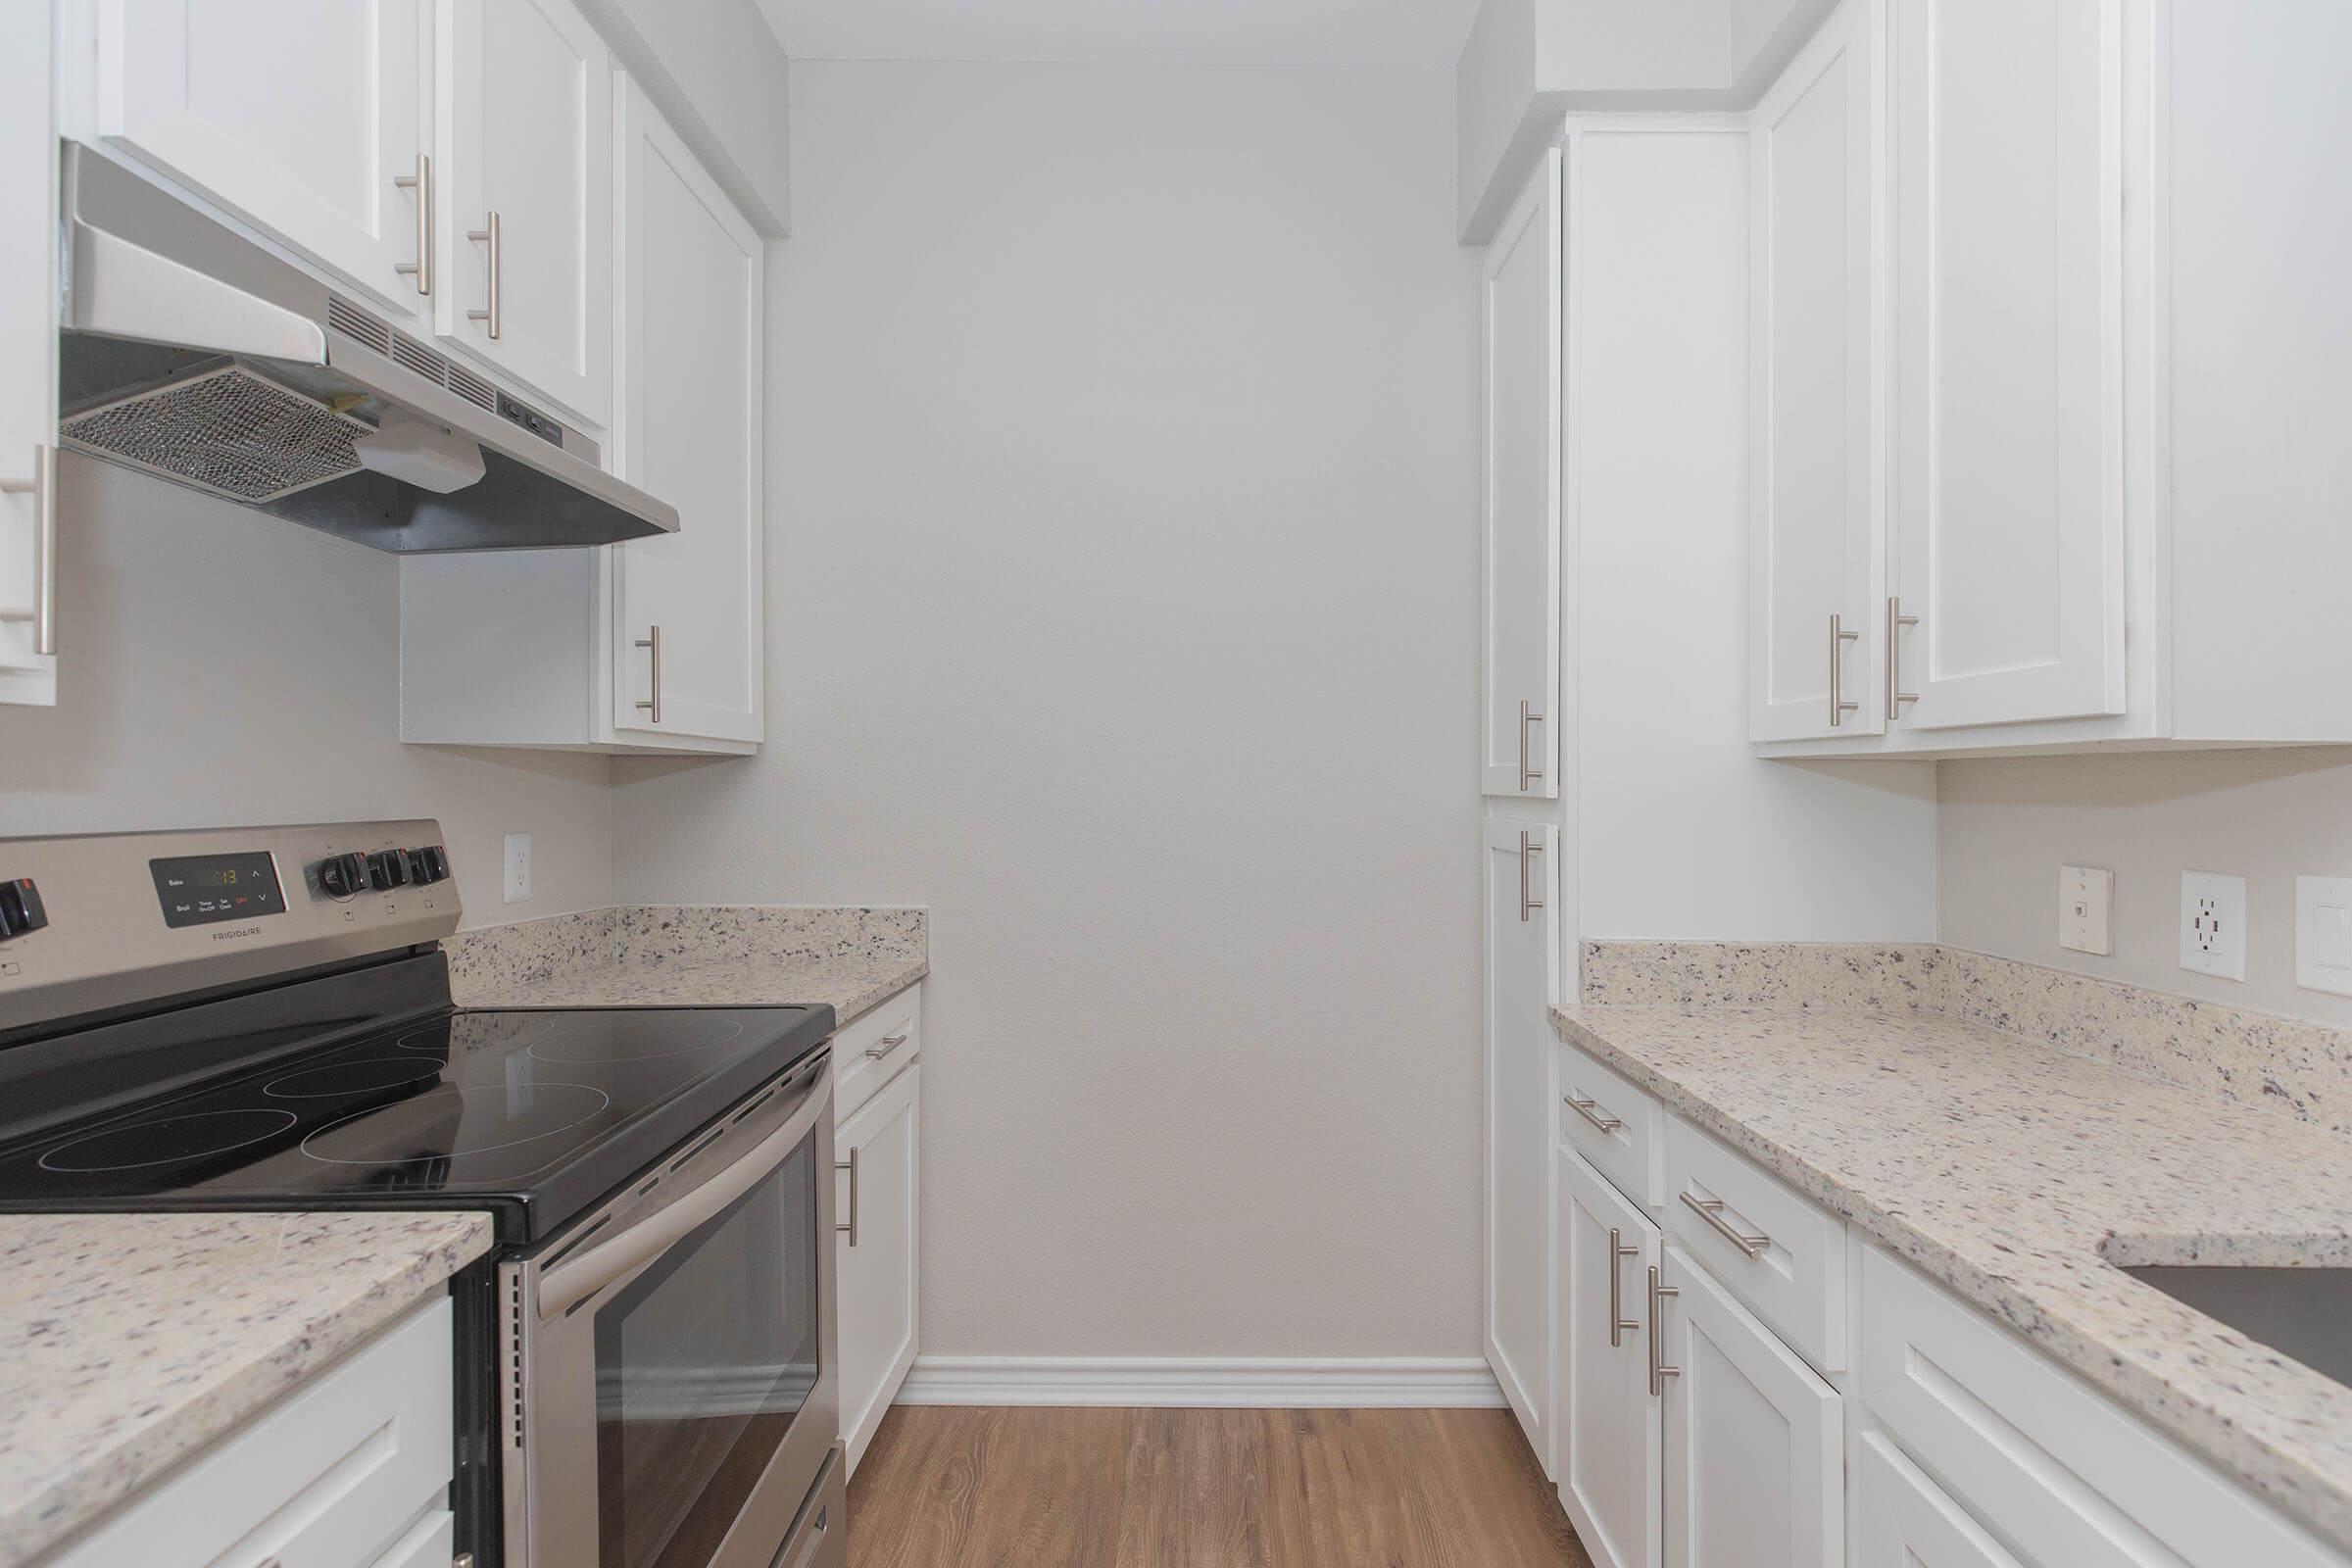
28, 364
688, 430
1816, 482
525, 135
2009, 357
307, 121
1520, 462
1522, 981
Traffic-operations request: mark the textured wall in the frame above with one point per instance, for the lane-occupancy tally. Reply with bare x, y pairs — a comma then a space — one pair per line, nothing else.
1123, 610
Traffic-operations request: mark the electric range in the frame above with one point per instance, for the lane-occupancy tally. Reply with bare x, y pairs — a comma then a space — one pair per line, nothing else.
262, 1019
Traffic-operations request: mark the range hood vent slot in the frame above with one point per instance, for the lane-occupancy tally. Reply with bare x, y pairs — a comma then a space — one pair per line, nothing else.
226, 432
358, 326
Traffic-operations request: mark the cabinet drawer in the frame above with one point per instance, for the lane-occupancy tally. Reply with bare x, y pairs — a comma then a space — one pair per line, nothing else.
337, 1476
1613, 1124
869, 1050
2057, 1470
1780, 1252
1906, 1520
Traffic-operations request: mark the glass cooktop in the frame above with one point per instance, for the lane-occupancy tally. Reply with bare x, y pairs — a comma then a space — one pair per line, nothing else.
531, 1116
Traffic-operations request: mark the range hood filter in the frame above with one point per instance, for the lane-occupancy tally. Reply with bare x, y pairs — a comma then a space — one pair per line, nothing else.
228, 433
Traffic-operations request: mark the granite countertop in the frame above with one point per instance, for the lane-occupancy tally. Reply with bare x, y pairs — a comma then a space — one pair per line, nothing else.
128, 1341
711, 956
2017, 1174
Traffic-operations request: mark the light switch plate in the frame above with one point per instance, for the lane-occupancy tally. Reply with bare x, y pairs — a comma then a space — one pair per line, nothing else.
2085, 908
2213, 924
2324, 933
518, 876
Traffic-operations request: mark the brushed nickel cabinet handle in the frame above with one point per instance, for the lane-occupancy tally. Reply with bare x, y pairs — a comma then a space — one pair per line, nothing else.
1839, 638
1896, 697
1710, 1209
1528, 773
884, 1046
1591, 1113
849, 1165
489, 236
1618, 1327
1528, 902
651, 642
421, 182
42, 487
1659, 1371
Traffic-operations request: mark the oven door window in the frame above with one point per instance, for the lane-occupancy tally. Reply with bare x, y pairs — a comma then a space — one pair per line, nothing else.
703, 1362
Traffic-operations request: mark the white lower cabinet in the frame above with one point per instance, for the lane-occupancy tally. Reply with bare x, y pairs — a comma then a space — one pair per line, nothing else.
877, 1251
1523, 952
1754, 1439
1607, 1445
1905, 1521
349, 1471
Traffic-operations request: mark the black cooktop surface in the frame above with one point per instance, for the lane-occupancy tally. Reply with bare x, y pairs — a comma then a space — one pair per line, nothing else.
531, 1116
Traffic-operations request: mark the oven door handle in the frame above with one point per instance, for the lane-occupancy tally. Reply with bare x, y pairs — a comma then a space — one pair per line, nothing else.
573, 1281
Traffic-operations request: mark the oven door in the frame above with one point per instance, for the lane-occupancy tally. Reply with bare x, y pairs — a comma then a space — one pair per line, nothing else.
668, 1367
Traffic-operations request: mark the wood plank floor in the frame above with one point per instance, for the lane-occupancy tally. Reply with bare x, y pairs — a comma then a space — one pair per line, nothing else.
953, 1488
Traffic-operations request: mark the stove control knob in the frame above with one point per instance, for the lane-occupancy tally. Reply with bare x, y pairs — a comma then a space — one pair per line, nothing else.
21, 908
388, 869
343, 875
428, 865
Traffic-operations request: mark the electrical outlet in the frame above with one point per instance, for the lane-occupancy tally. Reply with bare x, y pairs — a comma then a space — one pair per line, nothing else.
2086, 904
2324, 933
2213, 924
519, 869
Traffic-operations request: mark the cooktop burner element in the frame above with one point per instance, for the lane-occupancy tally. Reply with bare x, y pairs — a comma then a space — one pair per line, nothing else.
165, 1140
531, 1115
456, 1124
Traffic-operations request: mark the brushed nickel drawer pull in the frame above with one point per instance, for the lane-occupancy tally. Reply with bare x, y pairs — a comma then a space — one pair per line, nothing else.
1527, 774
1591, 1110
489, 236
1896, 697
849, 1165
421, 182
1710, 1209
1839, 638
883, 1048
1618, 1327
651, 642
1659, 1371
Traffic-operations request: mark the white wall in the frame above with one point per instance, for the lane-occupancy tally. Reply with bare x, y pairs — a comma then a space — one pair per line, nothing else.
219, 667
1123, 610
1683, 830
2007, 826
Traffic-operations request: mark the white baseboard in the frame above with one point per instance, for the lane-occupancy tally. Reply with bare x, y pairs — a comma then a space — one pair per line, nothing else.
1202, 1383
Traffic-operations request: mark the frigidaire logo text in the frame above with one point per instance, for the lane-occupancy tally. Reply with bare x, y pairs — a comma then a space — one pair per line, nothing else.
241, 931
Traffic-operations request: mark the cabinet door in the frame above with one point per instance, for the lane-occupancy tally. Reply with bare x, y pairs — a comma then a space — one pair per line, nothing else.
300, 117
28, 362
526, 135
1605, 1420
1907, 1522
1754, 1439
687, 428
1522, 980
1521, 719
880, 1289
2009, 357
1816, 518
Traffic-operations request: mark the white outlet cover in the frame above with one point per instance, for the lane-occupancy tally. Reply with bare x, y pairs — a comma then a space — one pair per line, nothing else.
2324, 933
2085, 909
2213, 924
518, 877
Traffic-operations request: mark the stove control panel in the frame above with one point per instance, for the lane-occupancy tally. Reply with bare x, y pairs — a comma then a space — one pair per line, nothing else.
106, 922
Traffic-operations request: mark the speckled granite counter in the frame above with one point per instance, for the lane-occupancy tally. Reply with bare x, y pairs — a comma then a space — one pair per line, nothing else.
2015, 1172
128, 1341
703, 956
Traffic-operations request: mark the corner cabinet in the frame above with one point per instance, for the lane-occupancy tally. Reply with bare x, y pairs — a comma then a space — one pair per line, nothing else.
2073, 499
28, 364
877, 1251
657, 644
1519, 728
1522, 980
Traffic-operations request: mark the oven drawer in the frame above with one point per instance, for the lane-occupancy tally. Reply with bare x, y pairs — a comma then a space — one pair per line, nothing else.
1778, 1251
337, 1476
872, 1049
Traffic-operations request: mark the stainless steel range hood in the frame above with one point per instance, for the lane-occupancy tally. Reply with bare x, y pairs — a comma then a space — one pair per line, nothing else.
191, 353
